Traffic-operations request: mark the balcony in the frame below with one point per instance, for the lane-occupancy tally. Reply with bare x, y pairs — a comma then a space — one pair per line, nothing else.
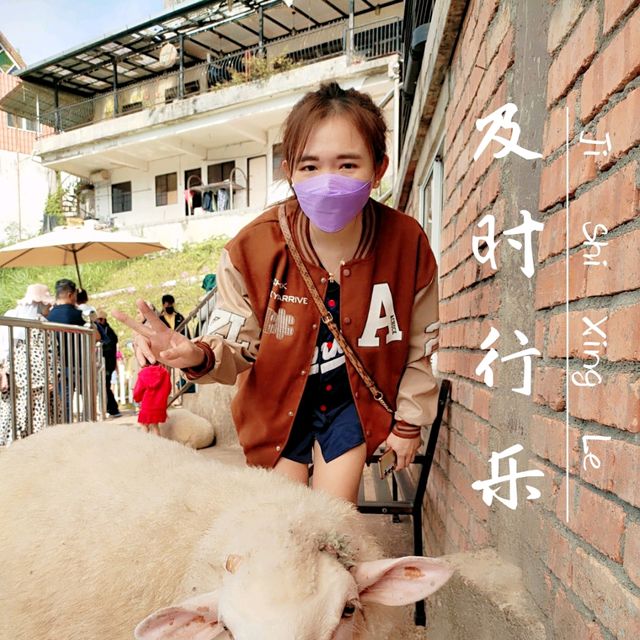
367, 42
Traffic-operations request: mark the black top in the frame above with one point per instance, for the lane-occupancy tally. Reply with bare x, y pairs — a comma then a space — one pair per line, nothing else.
328, 383
66, 314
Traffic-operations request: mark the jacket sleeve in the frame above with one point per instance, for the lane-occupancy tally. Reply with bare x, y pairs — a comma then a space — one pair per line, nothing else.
417, 399
234, 331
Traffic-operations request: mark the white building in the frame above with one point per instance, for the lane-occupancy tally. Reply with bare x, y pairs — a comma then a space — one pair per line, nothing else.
24, 182
176, 122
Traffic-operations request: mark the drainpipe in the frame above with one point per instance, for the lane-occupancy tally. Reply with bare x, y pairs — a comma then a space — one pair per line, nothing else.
56, 104
115, 86
181, 75
261, 28
19, 198
350, 38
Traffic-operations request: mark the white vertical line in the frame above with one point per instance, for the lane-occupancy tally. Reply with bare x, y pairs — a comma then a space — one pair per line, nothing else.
567, 307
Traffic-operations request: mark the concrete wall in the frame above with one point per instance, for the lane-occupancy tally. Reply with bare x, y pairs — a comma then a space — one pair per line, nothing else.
24, 186
579, 567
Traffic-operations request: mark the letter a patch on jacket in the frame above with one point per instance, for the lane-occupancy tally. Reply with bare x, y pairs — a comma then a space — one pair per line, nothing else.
382, 315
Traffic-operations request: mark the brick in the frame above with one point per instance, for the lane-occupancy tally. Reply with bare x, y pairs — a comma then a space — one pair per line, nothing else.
473, 396
462, 482
498, 31
612, 68
483, 300
623, 126
461, 363
621, 328
548, 440
632, 551
555, 126
493, 77
589, 510
617, 458
569, 623
617, 608
548, 484
548, 387
623, 274
594, 403
565, 14
464, 334
574, 56
612, 202
614, 11
623, 334
559, 552
553, 186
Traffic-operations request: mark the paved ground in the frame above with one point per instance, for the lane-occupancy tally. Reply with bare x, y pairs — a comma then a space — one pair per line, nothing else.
395, 538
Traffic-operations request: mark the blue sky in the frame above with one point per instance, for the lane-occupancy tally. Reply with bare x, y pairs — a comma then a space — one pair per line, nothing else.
42, 28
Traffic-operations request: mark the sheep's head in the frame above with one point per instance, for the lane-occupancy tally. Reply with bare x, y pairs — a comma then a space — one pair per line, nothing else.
305, 598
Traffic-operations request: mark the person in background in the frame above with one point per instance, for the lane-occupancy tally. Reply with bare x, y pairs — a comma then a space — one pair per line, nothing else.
65, 310
109, 341
25, 370
88, 311
152, 390
209, 283
170, 316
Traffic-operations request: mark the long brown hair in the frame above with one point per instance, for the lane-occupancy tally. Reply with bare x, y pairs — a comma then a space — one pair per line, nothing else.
331, 99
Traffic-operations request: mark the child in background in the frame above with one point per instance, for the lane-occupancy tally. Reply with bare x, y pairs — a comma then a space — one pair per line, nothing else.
152, 391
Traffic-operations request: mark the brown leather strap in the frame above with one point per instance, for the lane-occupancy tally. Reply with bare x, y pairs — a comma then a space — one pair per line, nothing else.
325, 314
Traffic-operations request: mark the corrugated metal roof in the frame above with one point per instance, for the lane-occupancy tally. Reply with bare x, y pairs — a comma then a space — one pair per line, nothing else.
207, 27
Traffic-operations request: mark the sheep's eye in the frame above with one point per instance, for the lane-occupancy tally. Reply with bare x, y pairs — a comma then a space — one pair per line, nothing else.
349, 610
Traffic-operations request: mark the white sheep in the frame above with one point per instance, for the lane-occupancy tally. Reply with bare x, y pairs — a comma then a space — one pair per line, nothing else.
101, 526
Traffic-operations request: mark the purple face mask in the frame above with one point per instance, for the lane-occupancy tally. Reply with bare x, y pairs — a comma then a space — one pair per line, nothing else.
332, 201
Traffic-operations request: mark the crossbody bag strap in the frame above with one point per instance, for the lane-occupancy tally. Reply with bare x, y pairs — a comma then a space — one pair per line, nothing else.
325, 314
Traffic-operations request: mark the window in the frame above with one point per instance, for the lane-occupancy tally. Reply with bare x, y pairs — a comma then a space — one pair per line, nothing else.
166, 189
18, 122
121, 197
278, 173
431, 205
220, 171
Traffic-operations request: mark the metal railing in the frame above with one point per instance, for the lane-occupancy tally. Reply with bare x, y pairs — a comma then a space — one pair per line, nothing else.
364, 42
50, 374
202, 314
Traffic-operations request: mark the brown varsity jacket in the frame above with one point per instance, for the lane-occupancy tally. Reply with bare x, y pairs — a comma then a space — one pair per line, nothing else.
266, 324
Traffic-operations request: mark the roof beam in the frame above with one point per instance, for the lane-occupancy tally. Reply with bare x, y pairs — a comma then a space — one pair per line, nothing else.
251, 132
124, 159
189, 148
336, 9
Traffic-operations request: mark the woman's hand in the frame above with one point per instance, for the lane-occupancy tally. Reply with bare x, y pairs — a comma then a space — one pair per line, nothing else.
405, 448
155, 342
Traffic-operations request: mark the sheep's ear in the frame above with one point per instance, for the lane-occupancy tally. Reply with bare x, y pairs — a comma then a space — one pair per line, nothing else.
400, 581
193, 619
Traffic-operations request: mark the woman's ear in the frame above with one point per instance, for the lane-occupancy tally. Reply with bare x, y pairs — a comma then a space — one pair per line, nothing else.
381, 170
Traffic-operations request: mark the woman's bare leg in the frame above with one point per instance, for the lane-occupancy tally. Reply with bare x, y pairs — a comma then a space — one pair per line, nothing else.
340, 477
155, 429
296, 471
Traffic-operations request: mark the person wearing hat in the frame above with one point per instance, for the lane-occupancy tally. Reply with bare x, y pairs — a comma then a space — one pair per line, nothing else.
109, 341
209, 283
27, 374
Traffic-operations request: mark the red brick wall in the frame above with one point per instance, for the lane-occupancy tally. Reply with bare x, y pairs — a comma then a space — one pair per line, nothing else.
12, 139
584, 573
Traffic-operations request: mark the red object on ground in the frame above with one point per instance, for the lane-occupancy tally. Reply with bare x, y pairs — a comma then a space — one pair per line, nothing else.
152, 390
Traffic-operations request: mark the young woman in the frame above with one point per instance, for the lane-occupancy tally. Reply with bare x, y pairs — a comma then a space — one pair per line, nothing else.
300, 398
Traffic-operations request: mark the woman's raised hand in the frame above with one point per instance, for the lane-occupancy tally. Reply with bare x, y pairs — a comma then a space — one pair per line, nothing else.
155, 342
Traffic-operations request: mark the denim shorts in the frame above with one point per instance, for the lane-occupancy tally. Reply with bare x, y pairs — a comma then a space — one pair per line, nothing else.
337, 431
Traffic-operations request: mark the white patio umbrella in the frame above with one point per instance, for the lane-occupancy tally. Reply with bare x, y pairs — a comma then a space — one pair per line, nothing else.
67, 246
